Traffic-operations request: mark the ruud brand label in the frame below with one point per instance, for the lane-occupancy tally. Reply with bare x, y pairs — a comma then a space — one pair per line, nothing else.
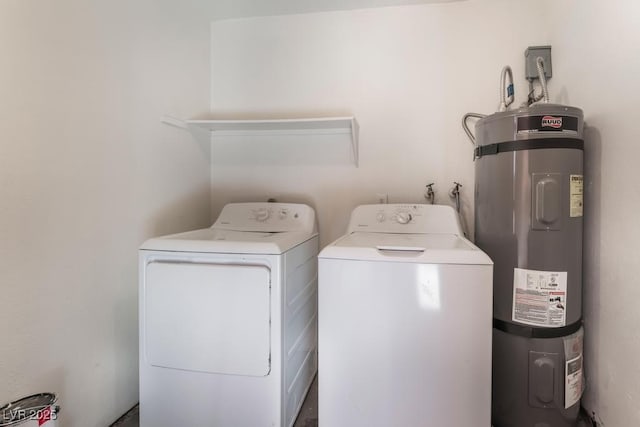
548, 123
553, 122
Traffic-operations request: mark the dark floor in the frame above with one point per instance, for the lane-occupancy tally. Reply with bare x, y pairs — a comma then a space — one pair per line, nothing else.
130, 419
308, 416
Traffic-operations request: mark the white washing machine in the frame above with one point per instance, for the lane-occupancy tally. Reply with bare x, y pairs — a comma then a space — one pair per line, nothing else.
405, 318
228, 319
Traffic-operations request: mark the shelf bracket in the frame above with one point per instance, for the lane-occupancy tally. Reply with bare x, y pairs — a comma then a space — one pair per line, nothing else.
355, 130
175, 122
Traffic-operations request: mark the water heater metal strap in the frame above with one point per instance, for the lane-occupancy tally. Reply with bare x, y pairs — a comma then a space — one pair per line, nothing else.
529, 144
532, 332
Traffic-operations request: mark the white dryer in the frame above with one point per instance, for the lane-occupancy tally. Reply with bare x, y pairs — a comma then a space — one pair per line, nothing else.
405, 319
228, 319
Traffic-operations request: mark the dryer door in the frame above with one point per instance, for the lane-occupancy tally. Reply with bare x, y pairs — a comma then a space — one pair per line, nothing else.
207, 317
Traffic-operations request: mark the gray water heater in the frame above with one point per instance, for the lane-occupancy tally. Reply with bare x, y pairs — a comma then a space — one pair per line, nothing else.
529, 207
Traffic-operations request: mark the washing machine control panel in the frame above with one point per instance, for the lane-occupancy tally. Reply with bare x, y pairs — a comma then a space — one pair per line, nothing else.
398, 214
280, 214
267, 217
405, 218
401, 216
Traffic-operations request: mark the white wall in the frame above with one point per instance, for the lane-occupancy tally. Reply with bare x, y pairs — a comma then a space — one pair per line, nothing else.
87, 172
408, 74
597, 63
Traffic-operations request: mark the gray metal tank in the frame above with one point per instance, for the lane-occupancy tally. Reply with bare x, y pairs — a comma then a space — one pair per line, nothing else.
528, 219
534, 379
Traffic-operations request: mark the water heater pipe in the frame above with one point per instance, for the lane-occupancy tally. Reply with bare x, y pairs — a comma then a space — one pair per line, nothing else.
506, 90
543, 79
544, 95
472, 138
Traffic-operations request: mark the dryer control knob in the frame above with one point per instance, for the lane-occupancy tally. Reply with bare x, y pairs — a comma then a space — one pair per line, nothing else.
381, 217
262, 214
403, 217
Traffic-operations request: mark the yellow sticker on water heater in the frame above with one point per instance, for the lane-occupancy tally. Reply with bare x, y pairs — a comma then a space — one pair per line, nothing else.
576, 197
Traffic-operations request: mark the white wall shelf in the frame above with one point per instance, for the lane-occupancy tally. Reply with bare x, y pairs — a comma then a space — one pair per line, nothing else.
306, 126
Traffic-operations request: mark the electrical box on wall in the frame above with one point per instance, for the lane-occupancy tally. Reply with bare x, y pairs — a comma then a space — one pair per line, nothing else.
531, 54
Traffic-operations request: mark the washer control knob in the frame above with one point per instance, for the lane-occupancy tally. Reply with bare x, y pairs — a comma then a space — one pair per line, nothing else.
283, 214
403, 217
262, 214
380, 217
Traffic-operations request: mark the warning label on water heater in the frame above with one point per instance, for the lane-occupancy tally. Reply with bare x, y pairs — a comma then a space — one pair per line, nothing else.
576, 190
573, 377
539, 297
573, 381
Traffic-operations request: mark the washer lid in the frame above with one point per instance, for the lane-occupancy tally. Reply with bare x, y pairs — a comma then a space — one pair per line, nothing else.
210, 240
416, 248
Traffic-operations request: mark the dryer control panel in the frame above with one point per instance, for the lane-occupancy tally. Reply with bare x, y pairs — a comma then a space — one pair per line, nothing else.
266, 217
405, 218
